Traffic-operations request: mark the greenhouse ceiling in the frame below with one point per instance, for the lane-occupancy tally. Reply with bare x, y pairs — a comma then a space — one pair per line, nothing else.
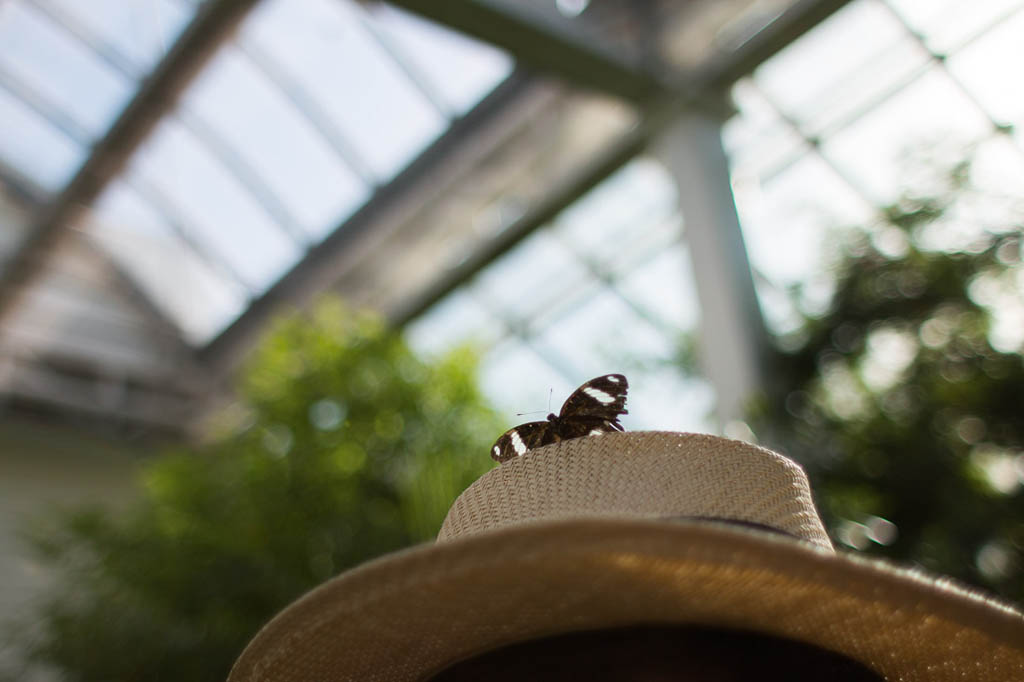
175, 172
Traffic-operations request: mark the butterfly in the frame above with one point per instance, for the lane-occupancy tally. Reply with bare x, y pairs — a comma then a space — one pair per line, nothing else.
592, 409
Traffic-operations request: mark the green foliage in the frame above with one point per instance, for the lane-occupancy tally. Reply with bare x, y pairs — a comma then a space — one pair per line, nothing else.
348, 446
904, 399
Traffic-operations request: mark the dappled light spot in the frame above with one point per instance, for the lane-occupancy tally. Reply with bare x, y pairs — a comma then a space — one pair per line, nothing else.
881, 531
891, 351
1002, 470
970, 429
326, 414
995, 560
278, 440
853, 534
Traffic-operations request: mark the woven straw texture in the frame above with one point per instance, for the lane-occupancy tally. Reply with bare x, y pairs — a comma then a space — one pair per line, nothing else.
410, 614
641, 475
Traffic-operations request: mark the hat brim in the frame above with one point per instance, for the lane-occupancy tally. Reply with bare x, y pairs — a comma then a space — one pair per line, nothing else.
410, 614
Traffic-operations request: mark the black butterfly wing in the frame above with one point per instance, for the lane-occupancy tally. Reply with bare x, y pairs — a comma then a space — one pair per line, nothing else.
516, 441
597, 403
577, 427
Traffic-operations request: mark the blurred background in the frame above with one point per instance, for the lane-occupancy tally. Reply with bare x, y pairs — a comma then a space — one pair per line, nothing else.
275, 274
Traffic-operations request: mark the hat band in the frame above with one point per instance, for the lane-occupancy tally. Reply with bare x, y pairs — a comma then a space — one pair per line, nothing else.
735, 522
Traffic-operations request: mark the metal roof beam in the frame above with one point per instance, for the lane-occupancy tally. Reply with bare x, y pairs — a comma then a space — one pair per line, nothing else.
615, 155
213, 23
23, 188
706, 86
325, 262
799, 18
546, 46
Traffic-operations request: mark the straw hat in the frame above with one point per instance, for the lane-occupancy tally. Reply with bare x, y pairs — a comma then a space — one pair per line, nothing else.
630, 529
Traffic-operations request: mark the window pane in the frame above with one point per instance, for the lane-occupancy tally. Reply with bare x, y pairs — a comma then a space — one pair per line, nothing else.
517, 380
39, 151
664, 286
856, 55
991, 67
945, 24
65, 72
461, 69
327, 51
141, 31
530, 277
216, 211
872, 149
608, 228
456, 320
316, 188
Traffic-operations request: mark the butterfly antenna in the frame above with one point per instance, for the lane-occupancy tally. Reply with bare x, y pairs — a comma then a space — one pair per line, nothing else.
550, 393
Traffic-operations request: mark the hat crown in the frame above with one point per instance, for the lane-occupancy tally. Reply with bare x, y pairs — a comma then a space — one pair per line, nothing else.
653, 474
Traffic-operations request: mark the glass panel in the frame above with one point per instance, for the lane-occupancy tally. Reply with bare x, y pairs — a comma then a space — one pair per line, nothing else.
660, 399
758, 140
998, 171
132, 231
858, 54
871, 150
782, 219
597, 223
786, 225
602, 335
140, 31
988, 68
328, 52
279, 144
39, 151
946, 24
455, 320
518, 380
217, 212
528, 278
664, 286
461, 69
65, 72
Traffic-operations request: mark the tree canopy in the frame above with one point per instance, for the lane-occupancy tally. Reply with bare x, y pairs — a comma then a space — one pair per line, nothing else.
905, 397
344, 446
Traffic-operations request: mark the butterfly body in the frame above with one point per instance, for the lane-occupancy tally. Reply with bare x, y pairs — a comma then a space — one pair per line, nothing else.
592, 409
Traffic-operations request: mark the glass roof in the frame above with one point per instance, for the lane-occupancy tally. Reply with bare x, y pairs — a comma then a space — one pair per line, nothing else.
287, 131
824, 137
312, 107
67, 71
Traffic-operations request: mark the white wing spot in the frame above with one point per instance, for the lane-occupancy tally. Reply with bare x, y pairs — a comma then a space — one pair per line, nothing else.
497, 451
595, 432
517, 443
612, 378
599, 395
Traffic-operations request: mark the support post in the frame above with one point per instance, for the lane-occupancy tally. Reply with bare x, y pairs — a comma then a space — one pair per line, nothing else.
732, 337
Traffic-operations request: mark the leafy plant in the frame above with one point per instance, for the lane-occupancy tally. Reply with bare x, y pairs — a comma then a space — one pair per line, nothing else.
344, 446
904, 398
